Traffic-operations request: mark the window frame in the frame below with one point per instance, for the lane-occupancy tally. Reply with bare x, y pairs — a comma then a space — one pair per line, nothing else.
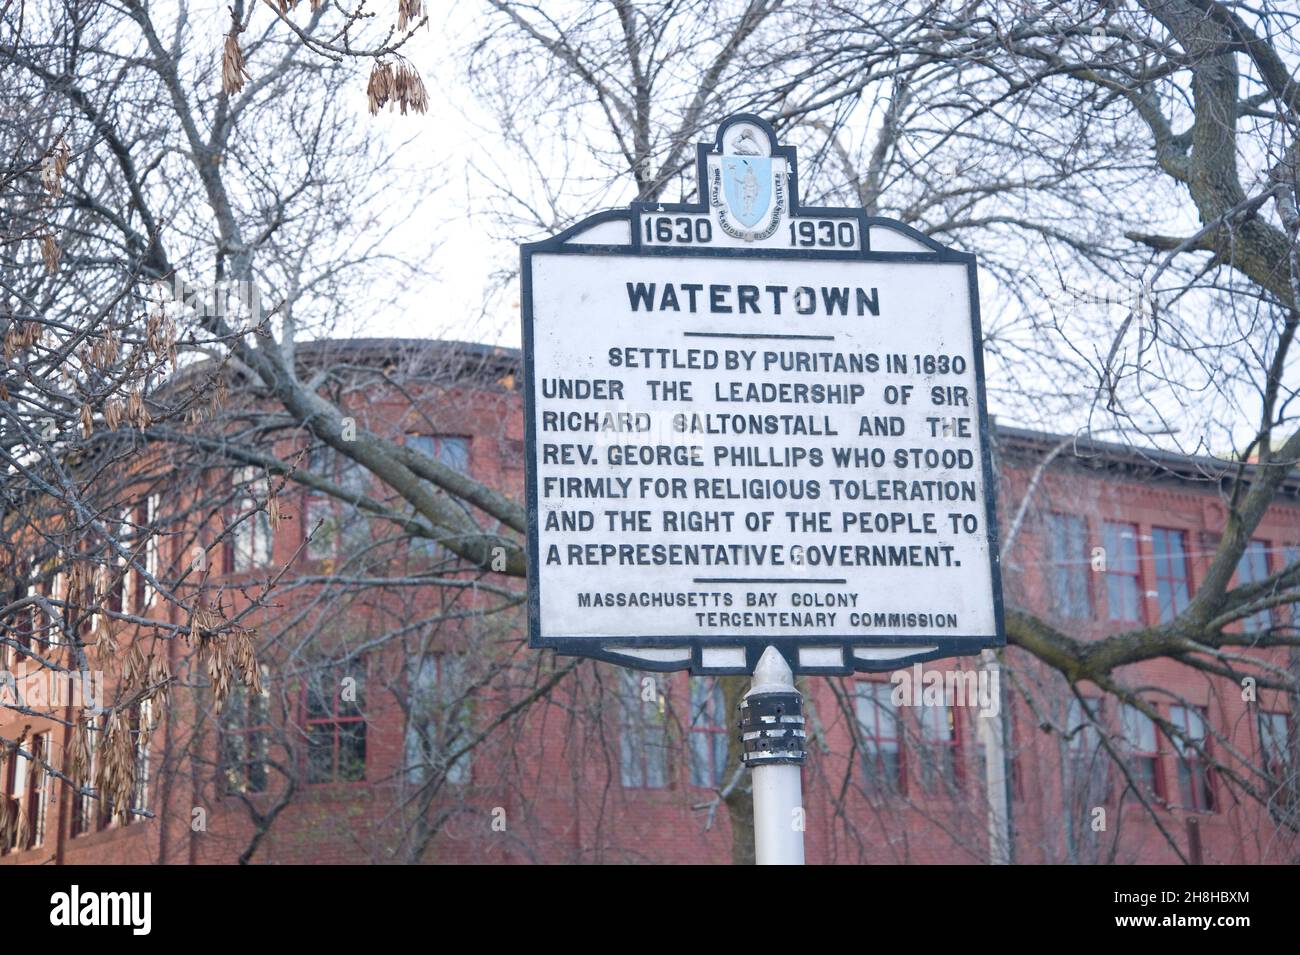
1115, 577
636, 733
87, 815
1182, 537
1191, 767
341, 470
336, 720
423, 547
1060, 561
1086, 746
704, 736
249, 519
9, 783
951, 769
254, 733
461, 772
1248, 573
38, 789
1284, 745
877, 778
1149, 757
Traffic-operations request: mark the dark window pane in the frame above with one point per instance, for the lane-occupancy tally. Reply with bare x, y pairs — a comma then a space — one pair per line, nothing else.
1251, 569
320, 695
1123, 580
643, 733
878, 724
1067, 545
256, 773
708, 737
320, 753
352, 693
352, 752
1169, 550
454, 452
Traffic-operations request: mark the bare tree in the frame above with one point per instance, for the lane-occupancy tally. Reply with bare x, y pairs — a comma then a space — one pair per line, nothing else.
1127, 175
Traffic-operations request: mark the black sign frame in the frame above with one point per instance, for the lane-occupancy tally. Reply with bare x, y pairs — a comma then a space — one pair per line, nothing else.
616, 649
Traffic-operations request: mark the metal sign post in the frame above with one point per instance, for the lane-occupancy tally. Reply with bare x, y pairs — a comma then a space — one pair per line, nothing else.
772, 737
756, 428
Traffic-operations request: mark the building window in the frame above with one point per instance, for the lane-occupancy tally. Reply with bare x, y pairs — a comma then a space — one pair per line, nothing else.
1195, 790
250, 538
708, 733
1067, 559
26, 793
1088, 768
87, 814
450, 450
149, 517
1275, 744
38, 788
337, 527
1173, 587
939, 742
1123, 572
643, 732
121, 584
139, 723
334, 702
245, 740
142, 724
438, 720
8, 804
1251, 569
22, 625
878, 727
16, 834
1139, 733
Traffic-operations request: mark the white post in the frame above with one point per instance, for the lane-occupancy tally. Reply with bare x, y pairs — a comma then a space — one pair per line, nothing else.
993, 729
772, 737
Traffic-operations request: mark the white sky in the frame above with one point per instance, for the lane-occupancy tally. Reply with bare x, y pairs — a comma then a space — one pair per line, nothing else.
444, 146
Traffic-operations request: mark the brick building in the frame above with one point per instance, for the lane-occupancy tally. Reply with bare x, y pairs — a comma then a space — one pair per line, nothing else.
402, 719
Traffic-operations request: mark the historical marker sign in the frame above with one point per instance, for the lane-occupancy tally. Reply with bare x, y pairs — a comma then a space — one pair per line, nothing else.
751, 423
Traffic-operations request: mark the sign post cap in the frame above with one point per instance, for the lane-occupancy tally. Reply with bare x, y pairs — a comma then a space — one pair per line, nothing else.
772, 675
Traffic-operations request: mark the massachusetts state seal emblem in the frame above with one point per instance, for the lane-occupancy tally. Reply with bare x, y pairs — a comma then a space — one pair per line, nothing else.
747, 190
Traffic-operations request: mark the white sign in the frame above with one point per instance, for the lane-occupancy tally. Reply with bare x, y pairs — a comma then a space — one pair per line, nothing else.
749, 424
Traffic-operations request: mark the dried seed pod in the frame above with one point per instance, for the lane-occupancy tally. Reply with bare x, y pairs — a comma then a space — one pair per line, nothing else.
8, 818
408, 11
50, 253
106, 642
53, 166
379, 89
219, 672
115, 769
135, 668
77, 762
136, 412
23, 829
114, 410
233, 73
160, 684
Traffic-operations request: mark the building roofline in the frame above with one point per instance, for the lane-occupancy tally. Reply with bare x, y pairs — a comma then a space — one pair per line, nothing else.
1200, 469
492, 363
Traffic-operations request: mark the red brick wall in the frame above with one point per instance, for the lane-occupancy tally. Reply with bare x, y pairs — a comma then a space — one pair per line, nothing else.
555, 772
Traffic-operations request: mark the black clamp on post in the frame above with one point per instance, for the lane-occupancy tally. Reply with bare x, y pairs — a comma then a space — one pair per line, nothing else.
771, 729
